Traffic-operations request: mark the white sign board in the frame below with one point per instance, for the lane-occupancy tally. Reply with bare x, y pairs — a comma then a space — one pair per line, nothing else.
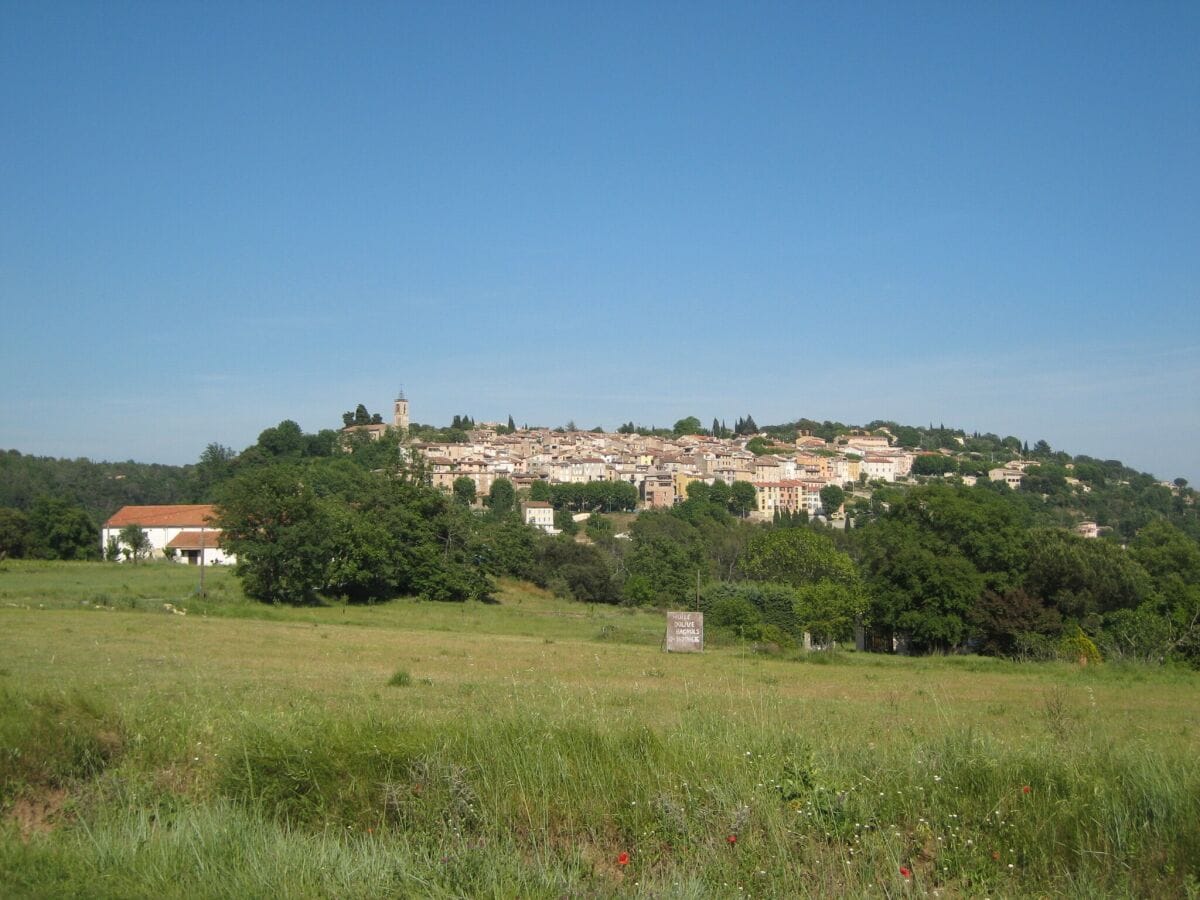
685, 632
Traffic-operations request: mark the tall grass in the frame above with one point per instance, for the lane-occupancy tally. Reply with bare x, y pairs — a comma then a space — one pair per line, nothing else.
537, 805
163, 756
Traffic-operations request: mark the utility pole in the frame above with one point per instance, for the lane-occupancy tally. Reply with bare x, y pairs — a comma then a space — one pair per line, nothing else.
202, 543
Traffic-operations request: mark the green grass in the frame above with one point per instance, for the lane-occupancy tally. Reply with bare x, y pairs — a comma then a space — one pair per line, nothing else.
243, 750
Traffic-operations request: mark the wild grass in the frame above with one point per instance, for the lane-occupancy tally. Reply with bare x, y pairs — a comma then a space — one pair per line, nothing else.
208, 755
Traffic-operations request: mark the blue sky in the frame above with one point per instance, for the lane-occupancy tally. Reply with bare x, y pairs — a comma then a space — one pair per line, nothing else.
217, 216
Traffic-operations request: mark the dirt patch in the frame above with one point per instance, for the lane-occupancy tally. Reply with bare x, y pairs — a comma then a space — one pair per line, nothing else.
37, 813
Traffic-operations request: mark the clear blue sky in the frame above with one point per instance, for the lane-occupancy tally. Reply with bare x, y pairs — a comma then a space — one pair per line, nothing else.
215, 216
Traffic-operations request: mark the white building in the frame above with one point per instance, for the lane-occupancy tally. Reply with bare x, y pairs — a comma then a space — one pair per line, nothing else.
881, 468
185, 530
539, 514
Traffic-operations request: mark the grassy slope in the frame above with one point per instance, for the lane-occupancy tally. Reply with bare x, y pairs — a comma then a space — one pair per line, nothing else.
252, 751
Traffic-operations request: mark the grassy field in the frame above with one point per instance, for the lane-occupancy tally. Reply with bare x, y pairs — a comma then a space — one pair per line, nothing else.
538, 748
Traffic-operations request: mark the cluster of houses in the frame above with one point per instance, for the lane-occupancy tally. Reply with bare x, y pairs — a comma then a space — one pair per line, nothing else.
788, 479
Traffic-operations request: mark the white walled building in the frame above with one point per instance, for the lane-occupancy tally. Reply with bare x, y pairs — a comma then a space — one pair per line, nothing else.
539, 514
187, 530
882, 468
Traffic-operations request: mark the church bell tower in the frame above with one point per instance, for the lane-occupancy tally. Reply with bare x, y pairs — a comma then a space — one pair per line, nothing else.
400, 411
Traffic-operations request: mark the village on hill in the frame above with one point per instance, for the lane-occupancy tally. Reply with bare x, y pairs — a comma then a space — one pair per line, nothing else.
787, 478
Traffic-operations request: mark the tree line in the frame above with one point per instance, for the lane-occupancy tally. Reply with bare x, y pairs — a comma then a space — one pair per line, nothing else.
327, 517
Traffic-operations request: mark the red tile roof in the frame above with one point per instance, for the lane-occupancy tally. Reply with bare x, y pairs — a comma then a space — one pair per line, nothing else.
178, 516
195, 540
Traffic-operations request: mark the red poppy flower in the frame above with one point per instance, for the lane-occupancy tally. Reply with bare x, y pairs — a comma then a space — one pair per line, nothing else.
1026, 789
622, 859
732, 839
995, 854
905, 871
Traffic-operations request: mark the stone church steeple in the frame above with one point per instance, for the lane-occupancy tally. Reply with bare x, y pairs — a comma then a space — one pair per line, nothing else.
400, 411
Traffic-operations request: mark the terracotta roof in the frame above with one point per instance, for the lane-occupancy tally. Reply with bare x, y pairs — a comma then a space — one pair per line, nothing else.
178, 516
195, 540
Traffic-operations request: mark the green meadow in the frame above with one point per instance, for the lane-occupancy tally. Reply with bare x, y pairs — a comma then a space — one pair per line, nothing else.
153, 743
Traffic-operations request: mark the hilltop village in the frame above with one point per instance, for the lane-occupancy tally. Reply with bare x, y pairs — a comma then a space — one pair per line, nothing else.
787, 478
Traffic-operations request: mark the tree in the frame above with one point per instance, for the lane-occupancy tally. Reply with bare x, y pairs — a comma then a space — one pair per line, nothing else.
579, 570
303, 531
1172, 561
14, 533
512, 426
506, 547
989, 530
929, 558
797, 556
1083, 579
1002, 621
281, 533
667, 552
283, 441
832, 498
773, 605
829, 609
688, 425
916, 589
58, 529
501, 497
933, 464
733, 612
718, 493
742, 497
464, 490
759, 446
564, 521
134, 542
745, 426
214, 467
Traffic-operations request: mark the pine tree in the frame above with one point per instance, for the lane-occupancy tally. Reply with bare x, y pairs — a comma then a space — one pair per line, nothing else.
745, 426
